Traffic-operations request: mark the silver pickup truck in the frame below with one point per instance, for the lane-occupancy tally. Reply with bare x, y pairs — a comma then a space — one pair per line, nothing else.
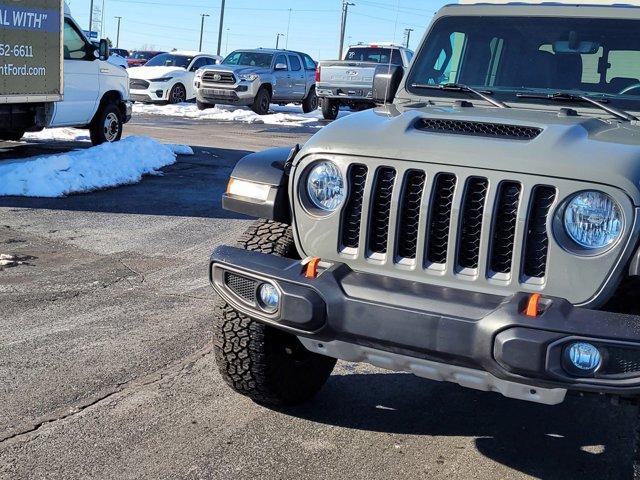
349, 82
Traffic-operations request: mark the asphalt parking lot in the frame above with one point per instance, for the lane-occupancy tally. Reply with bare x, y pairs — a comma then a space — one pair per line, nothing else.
106, 368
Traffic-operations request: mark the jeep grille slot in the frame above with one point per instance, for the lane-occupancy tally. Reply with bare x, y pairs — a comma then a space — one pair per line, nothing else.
479, 129
504, 227
243, 287
353, 209
410, 214
381, 210
440, 218
537, 238
471, 222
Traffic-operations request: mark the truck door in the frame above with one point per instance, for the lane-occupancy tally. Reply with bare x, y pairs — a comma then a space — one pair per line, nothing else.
81, 79
298, 78
282, 89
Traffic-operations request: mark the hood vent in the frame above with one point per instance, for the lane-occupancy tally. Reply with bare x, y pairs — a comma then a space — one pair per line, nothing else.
478, 129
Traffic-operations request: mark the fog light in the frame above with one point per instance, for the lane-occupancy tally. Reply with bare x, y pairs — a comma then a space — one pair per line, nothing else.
269, 297
584, 356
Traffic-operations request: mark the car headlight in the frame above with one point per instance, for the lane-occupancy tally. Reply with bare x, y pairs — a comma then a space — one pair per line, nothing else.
593, 220
249, 77
199, 73
163, 79
325, 186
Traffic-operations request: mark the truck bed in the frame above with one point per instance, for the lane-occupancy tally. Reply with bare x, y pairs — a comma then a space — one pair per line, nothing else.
343, 78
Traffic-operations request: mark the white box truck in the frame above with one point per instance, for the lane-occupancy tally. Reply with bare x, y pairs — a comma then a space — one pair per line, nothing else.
51, 75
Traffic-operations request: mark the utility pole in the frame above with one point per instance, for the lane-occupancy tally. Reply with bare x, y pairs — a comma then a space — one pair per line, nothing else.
221, 26
288, 27
226, 48
203, 15
343, 25
278, 35
118, 35
102, 21
90, 18
407, 36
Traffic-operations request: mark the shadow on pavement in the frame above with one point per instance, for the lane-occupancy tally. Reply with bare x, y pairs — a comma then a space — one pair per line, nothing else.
192, 187
581, 438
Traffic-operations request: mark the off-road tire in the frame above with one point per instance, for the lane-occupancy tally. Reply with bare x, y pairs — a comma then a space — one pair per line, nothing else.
177, 94
265, 364
330, 108
310, 103
204, 106
107, 126
11, 135
262, 102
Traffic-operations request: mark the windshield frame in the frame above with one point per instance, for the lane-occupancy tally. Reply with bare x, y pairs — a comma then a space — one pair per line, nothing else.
510, 95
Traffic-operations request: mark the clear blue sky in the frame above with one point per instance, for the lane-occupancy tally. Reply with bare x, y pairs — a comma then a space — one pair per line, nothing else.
314, 27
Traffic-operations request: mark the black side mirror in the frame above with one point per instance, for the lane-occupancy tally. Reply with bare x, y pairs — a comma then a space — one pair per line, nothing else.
103, 50
386, 82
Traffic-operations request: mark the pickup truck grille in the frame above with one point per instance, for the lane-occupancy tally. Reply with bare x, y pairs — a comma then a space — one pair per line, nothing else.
474, 228
227, 78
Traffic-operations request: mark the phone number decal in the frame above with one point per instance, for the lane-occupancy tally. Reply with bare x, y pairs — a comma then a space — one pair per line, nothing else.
18, 51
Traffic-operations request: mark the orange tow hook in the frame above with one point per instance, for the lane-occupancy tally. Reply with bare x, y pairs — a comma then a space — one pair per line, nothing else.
312, 268
533, 306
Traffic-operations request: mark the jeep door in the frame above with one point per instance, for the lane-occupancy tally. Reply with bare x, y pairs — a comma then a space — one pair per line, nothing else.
298, 78
282, 88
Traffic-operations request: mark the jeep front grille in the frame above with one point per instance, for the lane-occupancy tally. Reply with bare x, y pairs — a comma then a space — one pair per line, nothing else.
219, 77
482, 238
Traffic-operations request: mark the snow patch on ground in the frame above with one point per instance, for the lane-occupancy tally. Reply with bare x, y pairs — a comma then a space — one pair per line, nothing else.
289, 115
108, 165
59, 135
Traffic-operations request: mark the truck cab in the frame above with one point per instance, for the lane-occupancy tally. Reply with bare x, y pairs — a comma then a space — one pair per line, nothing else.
481, 226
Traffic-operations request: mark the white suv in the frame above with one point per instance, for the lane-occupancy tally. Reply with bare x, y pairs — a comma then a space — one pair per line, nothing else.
168, 78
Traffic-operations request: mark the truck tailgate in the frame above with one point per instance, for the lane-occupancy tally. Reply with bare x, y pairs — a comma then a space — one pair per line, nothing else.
347, 74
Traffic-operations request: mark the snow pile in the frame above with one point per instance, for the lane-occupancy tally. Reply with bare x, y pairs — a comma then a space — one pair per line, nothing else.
107, 165
289, 115
60, 135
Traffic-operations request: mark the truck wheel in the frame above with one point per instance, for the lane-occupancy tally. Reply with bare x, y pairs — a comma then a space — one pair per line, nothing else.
310, 103
262, 102
11, 135
330, 108
107, 125
204, 106
267, 365
178, 94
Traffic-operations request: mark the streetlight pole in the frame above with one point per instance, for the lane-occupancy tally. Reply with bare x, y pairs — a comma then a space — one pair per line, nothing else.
203, 15
407, 34
221, 26
288, 27
118, 34
343, 25
278, 39
90, 19
226, 48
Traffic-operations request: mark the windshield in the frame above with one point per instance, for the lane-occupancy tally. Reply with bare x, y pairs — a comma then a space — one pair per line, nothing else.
169, 60
249, 59
511, 55
376, 55
142, 55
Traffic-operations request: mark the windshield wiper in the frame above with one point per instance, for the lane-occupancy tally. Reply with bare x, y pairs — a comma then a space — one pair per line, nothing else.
572, 97
458, 87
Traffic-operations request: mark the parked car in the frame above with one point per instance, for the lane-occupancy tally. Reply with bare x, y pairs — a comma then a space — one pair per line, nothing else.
168, 77
114, 58
480, 227
95, 92
140, 58
120, 51
256, 78
350, 82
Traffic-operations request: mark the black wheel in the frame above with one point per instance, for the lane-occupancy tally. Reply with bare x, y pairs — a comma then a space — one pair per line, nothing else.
310, 103
178, 94
262, 102
330, 108
265, 364
107, 125
204, 106
11, 135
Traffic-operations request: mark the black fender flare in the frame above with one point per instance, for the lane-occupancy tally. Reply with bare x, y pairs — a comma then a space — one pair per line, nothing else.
270, 168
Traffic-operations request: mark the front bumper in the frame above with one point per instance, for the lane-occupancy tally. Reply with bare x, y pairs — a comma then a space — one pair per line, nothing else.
420, 326
242, 93
157, 92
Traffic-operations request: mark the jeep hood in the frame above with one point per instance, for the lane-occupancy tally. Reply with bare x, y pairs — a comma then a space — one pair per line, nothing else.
579, 147
148, 73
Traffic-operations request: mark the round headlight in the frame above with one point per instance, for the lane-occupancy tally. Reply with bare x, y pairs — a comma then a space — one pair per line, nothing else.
325, 186
593, 220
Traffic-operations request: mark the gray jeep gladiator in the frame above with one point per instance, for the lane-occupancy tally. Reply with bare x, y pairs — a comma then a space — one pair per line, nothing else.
481, 226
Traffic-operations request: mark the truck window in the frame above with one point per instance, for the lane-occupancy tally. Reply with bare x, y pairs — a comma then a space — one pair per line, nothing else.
75, 47
375, 55
296, 66
624, 64
309, 64
280, 59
